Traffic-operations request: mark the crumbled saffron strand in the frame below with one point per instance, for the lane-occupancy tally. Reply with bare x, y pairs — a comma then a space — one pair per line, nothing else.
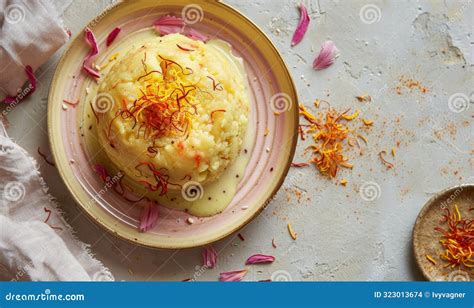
364, 98
352, 116
388, 164
45, 158
429, 258
367, 122
292, 233
329, 132
363, 138
457, 240
457, 212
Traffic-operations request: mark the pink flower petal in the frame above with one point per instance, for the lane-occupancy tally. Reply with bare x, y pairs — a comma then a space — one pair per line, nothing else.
302, 26
209, 257
326, 56
112, 36
149, 217
102, 172
196, 35
233, 276
169, 24
86, 65
24, 93
258, 258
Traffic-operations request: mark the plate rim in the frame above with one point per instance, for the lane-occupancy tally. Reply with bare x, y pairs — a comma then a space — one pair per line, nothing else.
78, 203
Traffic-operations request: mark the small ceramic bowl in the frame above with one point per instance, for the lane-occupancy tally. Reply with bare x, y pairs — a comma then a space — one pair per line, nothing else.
426, 238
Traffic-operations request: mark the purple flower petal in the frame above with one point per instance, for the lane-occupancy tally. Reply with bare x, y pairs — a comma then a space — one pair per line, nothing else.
258, 258
302, 26
326, 56
233, 276
209, 257
149, 217
112, 36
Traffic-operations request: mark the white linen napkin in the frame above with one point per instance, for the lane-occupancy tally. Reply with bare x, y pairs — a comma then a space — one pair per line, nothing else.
35, 241
30, 32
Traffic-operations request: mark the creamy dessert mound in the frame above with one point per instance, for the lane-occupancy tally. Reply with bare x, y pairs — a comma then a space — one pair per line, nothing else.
173, 109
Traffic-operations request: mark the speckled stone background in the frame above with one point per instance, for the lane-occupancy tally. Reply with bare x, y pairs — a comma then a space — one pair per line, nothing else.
358, 232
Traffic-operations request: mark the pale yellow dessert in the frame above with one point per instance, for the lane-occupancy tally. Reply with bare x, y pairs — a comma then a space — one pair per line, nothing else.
173, 109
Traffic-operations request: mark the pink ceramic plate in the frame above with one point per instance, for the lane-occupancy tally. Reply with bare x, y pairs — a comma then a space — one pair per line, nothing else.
274, 106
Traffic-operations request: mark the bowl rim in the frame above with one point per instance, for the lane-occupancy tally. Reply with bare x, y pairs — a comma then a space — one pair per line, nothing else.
78, 202
416, 227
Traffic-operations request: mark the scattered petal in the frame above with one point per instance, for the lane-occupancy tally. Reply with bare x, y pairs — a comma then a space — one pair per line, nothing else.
302, 26
25, 92
274, 245
233, 275
112, 36
149, 217
326, 56
169, 24
102, 172
209, 257
259, 258
196, 35
299, 165
86, 65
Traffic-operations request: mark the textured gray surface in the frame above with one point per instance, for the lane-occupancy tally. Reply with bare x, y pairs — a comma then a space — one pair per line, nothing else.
341, 236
